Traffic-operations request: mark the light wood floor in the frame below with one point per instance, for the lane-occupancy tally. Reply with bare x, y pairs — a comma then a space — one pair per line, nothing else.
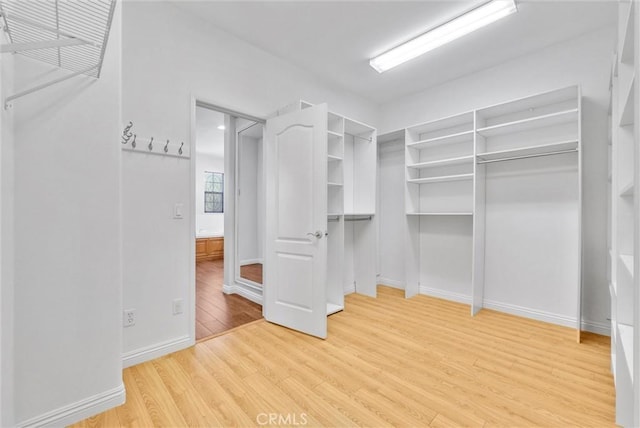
252, 272
217, 312
387, 362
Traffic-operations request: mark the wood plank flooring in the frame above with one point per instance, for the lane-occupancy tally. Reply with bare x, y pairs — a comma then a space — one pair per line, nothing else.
252, 272
387, 362
217, 312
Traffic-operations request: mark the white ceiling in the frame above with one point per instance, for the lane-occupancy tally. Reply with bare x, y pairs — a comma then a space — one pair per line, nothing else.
209, 139
335, 39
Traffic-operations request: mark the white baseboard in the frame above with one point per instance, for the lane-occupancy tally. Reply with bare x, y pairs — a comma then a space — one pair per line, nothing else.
535, 314
603, 328
79, 410
391, 282
349, 289
447, 295
250, 262
155, 351
243, 290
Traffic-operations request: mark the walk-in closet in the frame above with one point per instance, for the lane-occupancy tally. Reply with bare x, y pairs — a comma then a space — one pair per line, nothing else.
320, 213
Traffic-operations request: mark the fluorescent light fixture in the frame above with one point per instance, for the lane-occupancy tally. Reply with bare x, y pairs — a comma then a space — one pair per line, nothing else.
445, 33
221, 127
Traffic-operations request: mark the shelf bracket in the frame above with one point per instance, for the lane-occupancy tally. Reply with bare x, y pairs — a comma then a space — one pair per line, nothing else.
7, 101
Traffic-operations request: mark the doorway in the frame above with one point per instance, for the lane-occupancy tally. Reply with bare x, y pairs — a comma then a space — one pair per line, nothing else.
218, 310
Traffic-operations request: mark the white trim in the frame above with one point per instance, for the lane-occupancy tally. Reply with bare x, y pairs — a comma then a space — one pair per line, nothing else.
350, 289
251, 262
244, 291
447, 295
79, 410
535, 314
156, 351
391, 282
603, 328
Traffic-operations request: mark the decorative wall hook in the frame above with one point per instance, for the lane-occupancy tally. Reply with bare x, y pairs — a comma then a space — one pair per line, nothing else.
166, 147
180, 149
126, 134
133, 143
150, 146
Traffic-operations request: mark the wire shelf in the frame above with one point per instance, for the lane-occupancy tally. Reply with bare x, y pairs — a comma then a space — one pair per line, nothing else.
68, 34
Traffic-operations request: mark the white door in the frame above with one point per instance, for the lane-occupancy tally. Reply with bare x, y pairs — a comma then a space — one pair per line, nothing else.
295, 159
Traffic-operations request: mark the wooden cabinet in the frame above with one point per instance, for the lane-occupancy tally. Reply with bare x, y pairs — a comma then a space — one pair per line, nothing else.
209, 248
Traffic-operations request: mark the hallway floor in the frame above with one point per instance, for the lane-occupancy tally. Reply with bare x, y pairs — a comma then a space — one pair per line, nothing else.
217, 312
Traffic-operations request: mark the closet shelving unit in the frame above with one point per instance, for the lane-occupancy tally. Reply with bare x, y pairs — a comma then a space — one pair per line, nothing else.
351, 201
528, 182
480, 187
439, 167
624, 217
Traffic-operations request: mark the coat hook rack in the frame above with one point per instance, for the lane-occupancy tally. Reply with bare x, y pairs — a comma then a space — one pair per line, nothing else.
129, 143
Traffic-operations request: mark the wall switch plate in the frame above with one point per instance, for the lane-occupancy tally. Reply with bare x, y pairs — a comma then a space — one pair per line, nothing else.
178, 211
178, 306
129, 318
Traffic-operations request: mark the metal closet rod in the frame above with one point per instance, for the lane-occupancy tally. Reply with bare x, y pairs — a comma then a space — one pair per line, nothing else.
526, 156
367, 218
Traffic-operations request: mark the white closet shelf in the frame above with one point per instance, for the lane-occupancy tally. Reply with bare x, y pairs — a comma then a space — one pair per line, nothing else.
459, 137
627, 261
442, 162
335, 135
440, 179
627, 111
529, 151
333, 158
332, 184
332, 308
627, 190
334, 214
442, 214
625, 336
358, 214
565, 116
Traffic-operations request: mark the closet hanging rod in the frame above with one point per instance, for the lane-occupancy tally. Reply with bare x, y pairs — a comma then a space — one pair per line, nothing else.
537, 155
333, 218
368, 218
358, 136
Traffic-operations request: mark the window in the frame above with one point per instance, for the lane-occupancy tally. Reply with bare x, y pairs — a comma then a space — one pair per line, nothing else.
213, 192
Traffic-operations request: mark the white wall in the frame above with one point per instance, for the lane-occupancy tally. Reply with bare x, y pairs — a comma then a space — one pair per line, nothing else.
68, 284
171, 56
6, 242
585, 61
207, 224
250, 214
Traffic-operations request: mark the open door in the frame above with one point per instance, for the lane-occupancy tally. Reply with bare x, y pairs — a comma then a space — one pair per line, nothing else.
295, 164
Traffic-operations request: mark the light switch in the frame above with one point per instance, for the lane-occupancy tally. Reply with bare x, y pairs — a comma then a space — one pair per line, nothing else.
177, 211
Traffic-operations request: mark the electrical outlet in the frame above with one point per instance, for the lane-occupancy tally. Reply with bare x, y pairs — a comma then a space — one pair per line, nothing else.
178, 306
129, 317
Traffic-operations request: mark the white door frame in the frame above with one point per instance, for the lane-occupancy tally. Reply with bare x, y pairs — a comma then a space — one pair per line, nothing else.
229, 283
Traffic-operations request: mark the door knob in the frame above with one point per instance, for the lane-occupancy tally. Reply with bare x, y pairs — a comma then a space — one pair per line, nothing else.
317, 234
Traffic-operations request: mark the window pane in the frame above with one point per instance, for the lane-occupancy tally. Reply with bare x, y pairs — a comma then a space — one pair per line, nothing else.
218, 182
208, 202
208, 182
217, 202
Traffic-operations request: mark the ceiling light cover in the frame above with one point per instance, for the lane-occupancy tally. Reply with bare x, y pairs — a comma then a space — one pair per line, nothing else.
445, 33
